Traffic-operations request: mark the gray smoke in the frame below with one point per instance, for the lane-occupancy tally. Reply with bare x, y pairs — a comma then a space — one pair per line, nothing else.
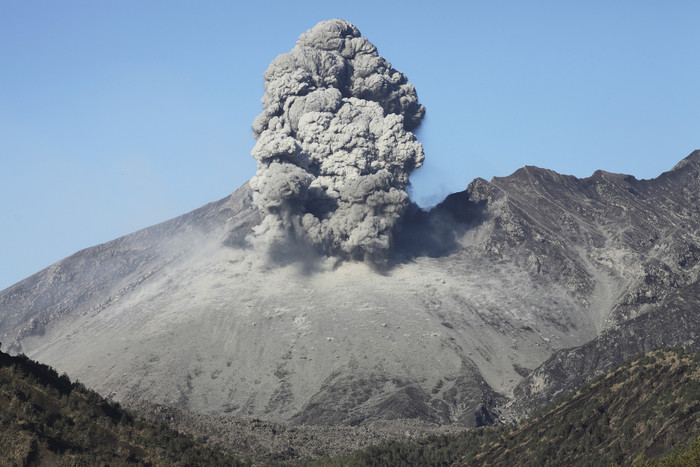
335, 147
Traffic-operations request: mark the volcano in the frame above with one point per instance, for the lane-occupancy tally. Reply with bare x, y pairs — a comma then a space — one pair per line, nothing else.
491, 303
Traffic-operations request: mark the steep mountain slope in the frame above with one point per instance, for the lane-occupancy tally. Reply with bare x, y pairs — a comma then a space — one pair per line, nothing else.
47, 420
641, 410
676, 321
480, 292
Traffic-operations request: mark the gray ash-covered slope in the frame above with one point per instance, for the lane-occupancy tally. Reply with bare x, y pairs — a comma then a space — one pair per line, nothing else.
102, 274
513, 290
629, 249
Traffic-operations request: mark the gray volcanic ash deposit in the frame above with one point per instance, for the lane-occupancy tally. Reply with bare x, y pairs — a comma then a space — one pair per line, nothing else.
175, 315
334, 146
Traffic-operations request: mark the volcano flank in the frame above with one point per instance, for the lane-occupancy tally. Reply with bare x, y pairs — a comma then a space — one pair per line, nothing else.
318, 293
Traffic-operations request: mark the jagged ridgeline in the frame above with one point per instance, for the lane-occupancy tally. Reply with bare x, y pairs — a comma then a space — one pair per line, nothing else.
47, 420
335, 147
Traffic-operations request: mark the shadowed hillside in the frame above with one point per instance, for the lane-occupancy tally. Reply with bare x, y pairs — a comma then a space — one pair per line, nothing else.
47, 420
639, 411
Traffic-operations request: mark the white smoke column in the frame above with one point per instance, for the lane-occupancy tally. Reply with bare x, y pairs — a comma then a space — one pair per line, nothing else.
334, 146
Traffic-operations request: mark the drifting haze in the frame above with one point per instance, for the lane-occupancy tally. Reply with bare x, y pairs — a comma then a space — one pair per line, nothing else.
334, 146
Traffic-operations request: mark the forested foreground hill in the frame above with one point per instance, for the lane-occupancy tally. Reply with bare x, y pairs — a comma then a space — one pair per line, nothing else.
644, 410
47, 420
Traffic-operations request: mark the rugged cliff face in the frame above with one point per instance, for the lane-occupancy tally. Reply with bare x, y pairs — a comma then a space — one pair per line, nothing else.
630, 250
496, 300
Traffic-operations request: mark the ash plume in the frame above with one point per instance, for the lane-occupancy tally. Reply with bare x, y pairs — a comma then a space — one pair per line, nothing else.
334, 146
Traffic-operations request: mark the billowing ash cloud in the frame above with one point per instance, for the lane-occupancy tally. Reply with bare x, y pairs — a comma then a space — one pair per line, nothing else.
335, 147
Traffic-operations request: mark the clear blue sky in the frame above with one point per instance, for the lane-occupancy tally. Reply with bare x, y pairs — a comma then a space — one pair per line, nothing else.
118, 115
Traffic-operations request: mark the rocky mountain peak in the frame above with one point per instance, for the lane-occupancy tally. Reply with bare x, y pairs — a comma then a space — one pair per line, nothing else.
693, 159
510, 290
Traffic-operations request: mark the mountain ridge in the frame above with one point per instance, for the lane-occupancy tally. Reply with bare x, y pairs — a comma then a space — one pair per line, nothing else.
481, 292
